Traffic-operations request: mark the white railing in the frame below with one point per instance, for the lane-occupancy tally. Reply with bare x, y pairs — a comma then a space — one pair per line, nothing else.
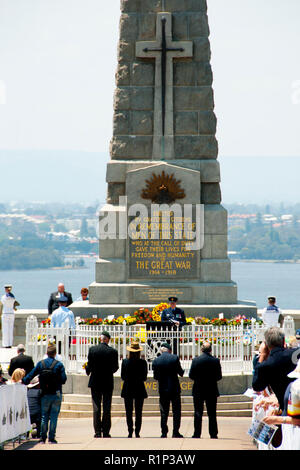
233, 345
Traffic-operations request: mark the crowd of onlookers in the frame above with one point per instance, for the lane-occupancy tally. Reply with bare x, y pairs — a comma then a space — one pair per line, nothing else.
276, 379
44, 389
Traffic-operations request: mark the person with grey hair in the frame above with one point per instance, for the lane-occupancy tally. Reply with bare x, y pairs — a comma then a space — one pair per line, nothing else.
274, 364
102, 363
21, 361
166, 369
205, 372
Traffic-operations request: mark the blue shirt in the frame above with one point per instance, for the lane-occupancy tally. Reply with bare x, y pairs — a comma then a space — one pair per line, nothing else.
60, 315
58, 369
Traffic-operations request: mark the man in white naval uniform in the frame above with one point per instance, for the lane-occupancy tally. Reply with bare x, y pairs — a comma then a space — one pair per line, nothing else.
271, 314
8, 317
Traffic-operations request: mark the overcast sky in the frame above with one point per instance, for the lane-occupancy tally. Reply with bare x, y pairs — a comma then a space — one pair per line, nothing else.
58, 61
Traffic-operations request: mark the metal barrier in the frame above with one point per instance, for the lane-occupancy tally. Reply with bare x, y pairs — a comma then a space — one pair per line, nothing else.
233, 345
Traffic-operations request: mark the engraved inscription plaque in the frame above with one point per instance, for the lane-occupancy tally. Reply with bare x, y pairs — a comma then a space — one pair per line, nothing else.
161, 294
162, 258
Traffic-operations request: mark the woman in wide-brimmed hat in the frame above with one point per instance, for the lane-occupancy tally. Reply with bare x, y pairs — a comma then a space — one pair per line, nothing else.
134, 374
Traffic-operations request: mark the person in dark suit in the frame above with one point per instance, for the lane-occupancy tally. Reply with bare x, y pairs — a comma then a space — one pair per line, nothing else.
174, 314
166, 369
205, 372
134, 374
21, 361
274, 364
55, 296
102, 364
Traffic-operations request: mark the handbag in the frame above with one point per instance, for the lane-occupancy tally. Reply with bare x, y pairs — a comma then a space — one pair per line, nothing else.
277, 437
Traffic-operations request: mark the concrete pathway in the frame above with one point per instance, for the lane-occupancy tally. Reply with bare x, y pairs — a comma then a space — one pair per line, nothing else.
77, 434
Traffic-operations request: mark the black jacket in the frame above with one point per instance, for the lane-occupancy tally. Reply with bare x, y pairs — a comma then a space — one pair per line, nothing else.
274, 371
166, 369
205, 372
134, 374
177, 314
102, 364
53, 301
21, 361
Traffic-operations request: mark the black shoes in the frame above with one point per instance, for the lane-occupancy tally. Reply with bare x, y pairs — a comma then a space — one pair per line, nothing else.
98, 434
106, 435
164, 434
137, 434
214, 437
177, 434
196, 436
52, 441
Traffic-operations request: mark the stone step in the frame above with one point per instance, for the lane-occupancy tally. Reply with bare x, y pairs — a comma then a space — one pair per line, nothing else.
117, 414
77, 398
79, 406
154, 406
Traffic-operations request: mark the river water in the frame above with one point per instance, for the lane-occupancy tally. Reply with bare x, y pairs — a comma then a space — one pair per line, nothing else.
255, 282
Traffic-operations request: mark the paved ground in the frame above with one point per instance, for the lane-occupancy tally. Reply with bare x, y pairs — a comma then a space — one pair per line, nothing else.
77, 434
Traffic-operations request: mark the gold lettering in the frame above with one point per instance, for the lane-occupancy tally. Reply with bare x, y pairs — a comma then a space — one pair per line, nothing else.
142, 264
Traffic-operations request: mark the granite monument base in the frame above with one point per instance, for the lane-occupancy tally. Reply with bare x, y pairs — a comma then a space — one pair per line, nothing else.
229, 385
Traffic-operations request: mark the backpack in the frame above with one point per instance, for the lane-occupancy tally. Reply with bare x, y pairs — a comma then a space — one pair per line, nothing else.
48, 379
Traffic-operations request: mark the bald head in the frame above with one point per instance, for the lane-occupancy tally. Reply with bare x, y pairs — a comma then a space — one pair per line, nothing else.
61, 287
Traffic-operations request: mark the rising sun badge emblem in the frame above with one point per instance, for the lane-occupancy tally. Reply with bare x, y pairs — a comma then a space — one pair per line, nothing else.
163, 189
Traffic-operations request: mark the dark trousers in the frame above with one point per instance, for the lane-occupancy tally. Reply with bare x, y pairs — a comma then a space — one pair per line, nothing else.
211, 407
138, 405
101, 425
164, 405
36, 418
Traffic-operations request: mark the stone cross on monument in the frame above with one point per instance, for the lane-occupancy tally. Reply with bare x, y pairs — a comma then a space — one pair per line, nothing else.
164, 50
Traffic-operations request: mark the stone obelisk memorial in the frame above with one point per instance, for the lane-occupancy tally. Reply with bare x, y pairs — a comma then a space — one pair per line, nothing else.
163, 150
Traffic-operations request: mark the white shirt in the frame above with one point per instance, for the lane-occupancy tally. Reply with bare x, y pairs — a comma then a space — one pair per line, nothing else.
8, 303
270, 317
